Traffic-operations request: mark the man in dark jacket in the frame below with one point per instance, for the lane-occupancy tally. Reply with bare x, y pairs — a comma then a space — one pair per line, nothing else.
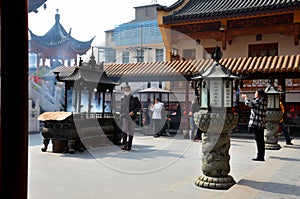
130, 105
193, 109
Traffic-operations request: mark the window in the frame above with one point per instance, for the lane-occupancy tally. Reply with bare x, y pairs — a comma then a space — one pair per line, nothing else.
261, 50
159, 53
189, 54
110, 55
32, 60
175, 55
146, 13
140, 55
125, 57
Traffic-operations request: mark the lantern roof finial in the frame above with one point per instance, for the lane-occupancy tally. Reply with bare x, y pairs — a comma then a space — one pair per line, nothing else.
217, 54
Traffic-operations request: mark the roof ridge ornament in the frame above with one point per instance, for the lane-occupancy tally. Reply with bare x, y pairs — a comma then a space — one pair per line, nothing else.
217, 54
57, 16
91, 64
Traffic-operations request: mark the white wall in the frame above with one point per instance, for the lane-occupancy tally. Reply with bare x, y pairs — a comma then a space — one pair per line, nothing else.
239, 46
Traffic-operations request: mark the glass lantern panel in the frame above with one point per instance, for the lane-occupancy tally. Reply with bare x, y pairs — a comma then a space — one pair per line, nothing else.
107, 102
84, 100
277, 101
204, 97
228, 94
216, 93
270, 101
71, 100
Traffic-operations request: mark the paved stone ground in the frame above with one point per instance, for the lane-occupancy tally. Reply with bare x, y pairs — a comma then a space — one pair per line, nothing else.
162, 168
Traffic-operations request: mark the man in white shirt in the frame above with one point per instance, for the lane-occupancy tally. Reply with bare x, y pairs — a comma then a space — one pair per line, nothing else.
156, 117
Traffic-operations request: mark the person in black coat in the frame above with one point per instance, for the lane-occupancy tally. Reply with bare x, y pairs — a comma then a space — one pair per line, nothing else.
194, 108
257, 122
130, 105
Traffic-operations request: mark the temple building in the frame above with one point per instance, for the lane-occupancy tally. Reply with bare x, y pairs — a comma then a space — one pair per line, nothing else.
258, 38
58, 46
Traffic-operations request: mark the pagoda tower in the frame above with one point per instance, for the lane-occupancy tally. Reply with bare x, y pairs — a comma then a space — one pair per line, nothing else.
57, 45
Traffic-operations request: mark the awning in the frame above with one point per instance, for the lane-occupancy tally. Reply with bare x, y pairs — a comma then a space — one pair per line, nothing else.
257, 67
265, 66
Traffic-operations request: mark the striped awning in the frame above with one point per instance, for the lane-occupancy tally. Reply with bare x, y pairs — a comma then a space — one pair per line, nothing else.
253, 65
257, 67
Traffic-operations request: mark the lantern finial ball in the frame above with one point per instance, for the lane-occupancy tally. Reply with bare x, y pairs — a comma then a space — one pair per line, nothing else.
217, 54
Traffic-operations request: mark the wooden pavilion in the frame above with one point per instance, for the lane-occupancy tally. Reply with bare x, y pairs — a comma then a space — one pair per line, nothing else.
57, 45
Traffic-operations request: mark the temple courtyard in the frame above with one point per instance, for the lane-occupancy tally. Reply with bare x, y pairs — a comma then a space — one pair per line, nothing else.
162, 168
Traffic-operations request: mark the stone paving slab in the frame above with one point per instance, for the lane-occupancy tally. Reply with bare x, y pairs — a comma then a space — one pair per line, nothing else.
163, 168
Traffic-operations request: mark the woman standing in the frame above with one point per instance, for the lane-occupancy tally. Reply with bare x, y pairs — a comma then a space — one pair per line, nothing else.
257, 122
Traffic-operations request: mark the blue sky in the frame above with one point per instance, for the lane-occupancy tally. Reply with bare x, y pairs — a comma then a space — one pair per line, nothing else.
87, 18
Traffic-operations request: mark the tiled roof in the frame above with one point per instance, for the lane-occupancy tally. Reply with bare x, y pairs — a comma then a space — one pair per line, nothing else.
75, 73
270, 65
171, 7
89, 75
196, 10
64, 71
58, 36
172, 69
33, 5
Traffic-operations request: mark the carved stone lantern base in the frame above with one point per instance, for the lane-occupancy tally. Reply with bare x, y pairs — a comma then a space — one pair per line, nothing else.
272, 146
215, 182
215, 149
271, 132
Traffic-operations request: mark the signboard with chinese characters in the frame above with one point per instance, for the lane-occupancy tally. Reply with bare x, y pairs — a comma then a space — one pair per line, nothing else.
271, 101
215, 87
227, 93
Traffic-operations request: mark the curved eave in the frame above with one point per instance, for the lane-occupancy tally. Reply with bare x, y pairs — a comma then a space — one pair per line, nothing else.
193, 12
57, 37
81, 47
49, 40
33, 5
171, 7
73, 74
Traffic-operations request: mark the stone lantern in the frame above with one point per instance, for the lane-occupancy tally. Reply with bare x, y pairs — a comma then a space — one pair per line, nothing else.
215, 118
273, 115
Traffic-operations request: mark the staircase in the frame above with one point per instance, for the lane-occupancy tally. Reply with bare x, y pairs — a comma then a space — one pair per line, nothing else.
48, 102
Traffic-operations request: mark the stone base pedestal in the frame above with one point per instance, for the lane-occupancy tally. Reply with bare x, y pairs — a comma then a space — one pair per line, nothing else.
215, 148
272, 146
215, 182
270, 133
